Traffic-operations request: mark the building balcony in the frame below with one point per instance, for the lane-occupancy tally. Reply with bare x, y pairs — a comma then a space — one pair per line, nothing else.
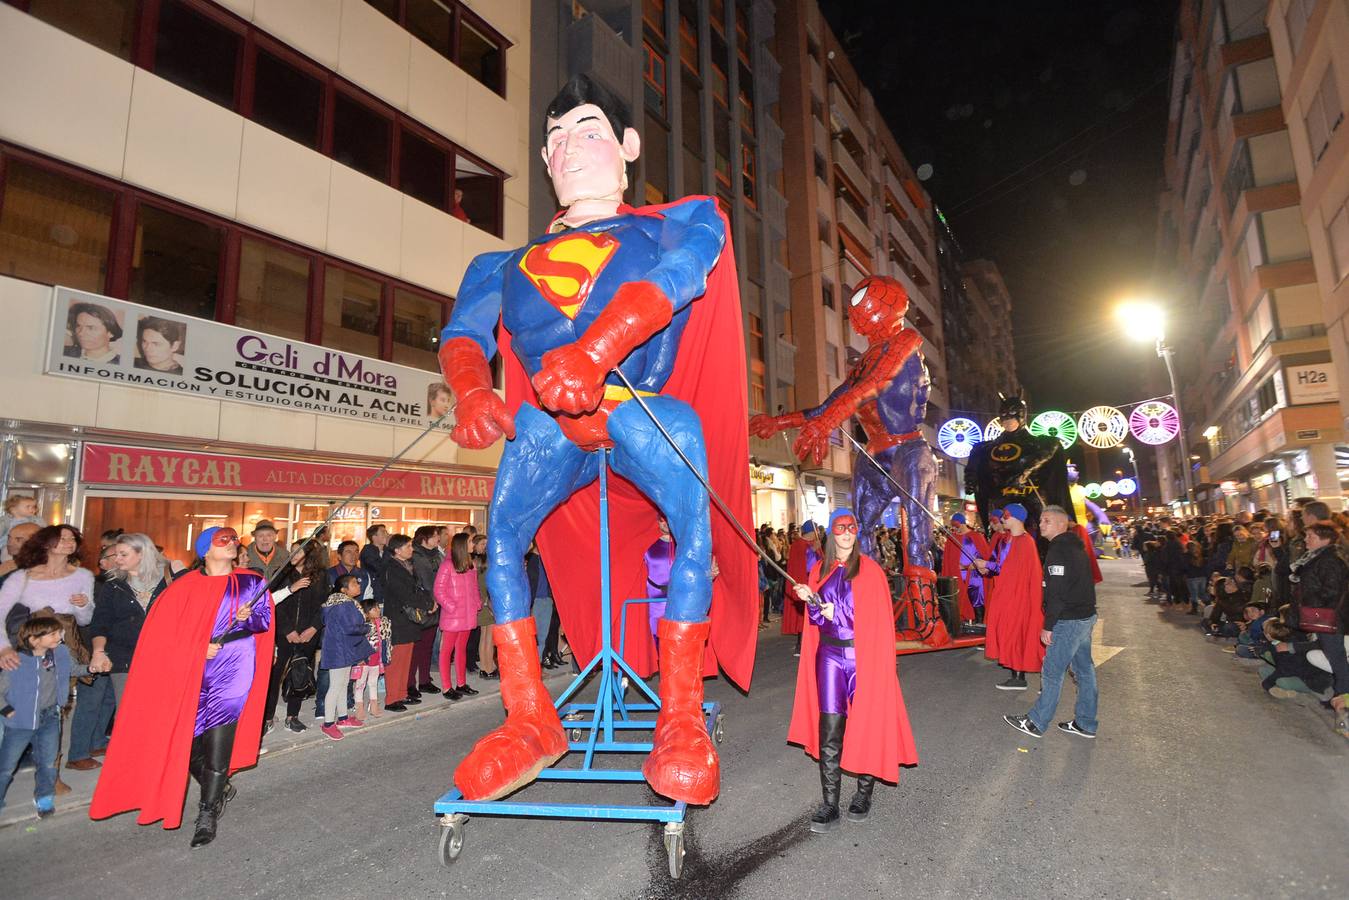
778, 284
767, 76
599, 51
850, 220
774, 208
1287, 428
1254, 200
844, 162
842, 109
817, 83
819, 136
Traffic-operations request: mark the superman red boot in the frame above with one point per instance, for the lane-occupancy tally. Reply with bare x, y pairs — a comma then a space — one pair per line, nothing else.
683, 763
532, 738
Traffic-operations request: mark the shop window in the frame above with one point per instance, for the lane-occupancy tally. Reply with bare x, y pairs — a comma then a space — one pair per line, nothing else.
351, 307
287, 100
273, 290
417, 322
423, 170
481, 56
481, 197
54, 229
361, 137
432, 23
196, 52
109, 24
653, 76
175, 263
1324, 114
656, 160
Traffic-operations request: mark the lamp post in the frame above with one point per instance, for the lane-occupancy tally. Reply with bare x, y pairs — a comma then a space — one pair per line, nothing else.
1138, 480
1147, 321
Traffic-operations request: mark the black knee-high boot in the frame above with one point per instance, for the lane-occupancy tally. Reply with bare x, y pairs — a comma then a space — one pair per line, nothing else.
831, 772
860, 807
216, 790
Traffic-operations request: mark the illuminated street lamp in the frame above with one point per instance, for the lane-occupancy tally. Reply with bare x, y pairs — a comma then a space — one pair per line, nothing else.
1145, 321
1133, 461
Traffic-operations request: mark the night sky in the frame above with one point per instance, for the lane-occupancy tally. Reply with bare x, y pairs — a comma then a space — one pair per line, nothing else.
1044, 125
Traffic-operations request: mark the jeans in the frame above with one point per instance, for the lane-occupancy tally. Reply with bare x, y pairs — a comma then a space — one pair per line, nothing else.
45, 740
1069, 648
1198, 590
543, 620
94, 705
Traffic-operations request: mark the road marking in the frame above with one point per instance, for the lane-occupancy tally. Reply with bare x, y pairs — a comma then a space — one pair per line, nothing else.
1100, 652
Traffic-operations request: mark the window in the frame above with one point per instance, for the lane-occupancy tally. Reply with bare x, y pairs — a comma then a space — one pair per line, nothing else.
351, 312
753, 251
653, 76
688, 34
757, 395
745, 87
456, 34
1324, 114
273, 290
287, 100
433, 24
653, 15
1338, 233
785, 332
691, 112
831, 361
480, 55
417, 321
827, 292
656, 159
54, 229
361, 137
175, 263
424, 171
109, 25
747, 174
478, 193
721, 144
197, 52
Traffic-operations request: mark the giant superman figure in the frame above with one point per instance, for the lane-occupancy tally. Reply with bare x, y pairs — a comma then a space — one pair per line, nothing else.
1017, 467
653, 291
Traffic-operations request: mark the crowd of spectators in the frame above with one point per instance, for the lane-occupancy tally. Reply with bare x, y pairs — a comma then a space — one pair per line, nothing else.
348, 619
1272, 589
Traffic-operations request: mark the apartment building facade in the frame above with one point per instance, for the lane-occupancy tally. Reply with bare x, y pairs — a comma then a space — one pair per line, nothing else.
1258, 389
258, 213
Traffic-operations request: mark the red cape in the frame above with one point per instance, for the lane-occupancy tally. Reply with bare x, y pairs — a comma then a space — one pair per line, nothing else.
709, 374
1015, 613
952, 560
793, 610
878, 739
1091, 552
146, 764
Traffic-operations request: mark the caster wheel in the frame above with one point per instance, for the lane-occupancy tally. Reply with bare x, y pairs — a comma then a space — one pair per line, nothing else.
576, 734
451, 839
674, 848
719, 729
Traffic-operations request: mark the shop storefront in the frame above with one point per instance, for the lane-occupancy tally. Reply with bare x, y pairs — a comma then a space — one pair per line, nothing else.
172, 495
774, 495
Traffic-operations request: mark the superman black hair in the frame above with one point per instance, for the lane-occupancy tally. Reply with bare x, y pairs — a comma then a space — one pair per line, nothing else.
579, 91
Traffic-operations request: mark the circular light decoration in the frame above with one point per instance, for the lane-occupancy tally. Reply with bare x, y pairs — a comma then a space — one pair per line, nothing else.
1109, 489
1052, 423
957, 437
1154, 422
1092, 490
1126, 487
1103, 427
992, 429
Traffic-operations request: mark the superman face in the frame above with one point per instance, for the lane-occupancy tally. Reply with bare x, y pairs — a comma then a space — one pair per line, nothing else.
585, 159
878, 306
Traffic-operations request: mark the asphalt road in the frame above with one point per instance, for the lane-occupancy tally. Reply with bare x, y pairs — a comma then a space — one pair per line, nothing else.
1198, 786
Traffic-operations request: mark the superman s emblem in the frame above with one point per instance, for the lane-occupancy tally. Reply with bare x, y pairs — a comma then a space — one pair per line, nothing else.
566, 268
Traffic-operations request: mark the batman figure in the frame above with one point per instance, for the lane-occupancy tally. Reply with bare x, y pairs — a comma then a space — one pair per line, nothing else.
1017, 467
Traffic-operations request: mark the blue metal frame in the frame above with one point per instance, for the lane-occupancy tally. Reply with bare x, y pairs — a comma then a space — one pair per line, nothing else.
604, 721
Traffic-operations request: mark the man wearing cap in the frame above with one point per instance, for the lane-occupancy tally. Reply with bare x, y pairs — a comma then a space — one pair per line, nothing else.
1015, 617
1069, 617
193, 699
963, 546
262, 555
801, 558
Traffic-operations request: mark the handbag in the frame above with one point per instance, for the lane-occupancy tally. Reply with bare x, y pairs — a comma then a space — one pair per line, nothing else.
297, 679
1317, 619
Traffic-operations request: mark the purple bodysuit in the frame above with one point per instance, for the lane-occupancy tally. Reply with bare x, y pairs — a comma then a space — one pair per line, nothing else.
835, 666
659, 559
227, 679
974, 582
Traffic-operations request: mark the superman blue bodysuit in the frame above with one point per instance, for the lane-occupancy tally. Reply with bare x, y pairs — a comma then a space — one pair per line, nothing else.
546, 295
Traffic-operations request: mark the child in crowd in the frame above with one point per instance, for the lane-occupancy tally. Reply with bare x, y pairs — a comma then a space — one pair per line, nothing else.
32, 698
1251, 643
457, 594
345, 644
19, 509
366, 675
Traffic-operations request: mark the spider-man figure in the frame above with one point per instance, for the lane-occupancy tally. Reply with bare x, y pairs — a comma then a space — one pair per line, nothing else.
887, 389
609, 286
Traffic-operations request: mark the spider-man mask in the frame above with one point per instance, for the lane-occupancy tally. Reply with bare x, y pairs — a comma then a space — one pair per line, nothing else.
878, 307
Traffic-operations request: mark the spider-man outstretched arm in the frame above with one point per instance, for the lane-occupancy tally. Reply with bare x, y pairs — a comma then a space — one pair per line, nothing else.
872, 374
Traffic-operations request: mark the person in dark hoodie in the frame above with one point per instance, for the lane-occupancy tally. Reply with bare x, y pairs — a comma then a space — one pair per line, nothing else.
1070, 616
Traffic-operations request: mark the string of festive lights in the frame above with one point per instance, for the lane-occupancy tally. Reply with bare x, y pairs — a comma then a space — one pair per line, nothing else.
1152, 421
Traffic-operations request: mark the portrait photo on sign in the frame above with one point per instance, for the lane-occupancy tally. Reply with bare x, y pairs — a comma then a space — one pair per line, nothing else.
438, 400
160, 344
93, 333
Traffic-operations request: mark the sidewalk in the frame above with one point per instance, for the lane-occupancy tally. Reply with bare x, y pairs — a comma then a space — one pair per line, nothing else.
19, 800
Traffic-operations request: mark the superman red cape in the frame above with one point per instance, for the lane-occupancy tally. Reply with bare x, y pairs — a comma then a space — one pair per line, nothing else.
146, 764
709, 374
878, 739
1015, 611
